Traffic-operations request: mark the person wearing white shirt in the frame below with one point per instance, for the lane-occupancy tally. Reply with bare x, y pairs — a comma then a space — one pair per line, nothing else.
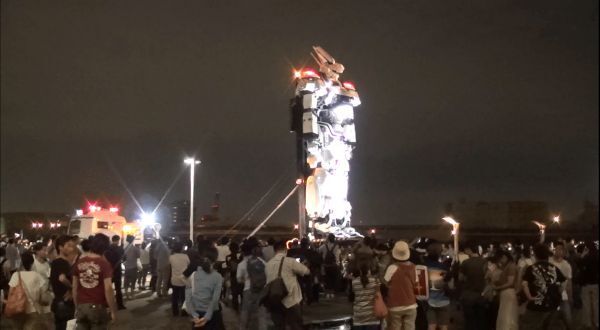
42, 267
145, 262
179, 262
291, 314
33, 284
563, 265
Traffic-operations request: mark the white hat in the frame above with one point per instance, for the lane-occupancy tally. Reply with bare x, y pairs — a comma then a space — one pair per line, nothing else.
401, 252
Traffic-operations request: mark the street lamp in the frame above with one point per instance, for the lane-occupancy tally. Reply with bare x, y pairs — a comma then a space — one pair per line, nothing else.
192, 162
454, 232
556, 219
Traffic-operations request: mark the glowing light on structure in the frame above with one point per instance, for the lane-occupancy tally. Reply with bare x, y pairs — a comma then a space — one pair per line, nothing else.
309, 73
148, 219
556, 219
79, 212
373, 231
450, 220
349, 85
127, 229
295, 227
297, 74
299, 181
114, 209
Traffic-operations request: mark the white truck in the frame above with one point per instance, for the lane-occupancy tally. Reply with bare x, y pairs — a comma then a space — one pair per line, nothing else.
105, 221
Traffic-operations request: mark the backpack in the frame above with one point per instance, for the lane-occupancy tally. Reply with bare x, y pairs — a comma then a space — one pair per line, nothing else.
16, 304
275, 291
329, 256
256, 272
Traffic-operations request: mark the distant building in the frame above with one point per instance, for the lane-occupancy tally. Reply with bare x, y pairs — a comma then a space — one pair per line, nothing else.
179, 214
501, 215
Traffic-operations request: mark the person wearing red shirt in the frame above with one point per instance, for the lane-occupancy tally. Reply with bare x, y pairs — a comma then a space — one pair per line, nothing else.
92, 287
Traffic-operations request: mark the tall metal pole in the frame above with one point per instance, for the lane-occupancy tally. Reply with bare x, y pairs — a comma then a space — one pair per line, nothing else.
192, 166
192, 162
301, 210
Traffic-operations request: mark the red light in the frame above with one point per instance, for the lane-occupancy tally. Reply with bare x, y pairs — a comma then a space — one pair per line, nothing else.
309, 73
349, 85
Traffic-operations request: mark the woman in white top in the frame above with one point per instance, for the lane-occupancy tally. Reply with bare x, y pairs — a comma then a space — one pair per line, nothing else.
33, 284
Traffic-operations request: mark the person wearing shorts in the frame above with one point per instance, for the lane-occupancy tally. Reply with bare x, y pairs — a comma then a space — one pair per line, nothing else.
439, 316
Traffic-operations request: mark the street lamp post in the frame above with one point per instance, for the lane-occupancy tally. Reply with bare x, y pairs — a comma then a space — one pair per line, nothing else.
455, 226
192, 162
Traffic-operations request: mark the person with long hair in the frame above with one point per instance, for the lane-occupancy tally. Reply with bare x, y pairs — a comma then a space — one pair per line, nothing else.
364, 286
508, 311
202, 300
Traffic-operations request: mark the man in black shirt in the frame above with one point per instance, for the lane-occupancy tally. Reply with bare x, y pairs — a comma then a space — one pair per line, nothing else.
542, 285
60, 280
114, 255
472, 278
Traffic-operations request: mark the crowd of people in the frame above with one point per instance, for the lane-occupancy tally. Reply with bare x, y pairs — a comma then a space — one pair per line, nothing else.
49, 283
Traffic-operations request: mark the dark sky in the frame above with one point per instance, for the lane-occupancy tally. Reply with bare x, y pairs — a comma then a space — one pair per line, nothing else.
483, 100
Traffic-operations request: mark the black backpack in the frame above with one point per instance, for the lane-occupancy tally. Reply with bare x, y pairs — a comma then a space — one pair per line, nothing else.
256, 272
275, 291
329, 256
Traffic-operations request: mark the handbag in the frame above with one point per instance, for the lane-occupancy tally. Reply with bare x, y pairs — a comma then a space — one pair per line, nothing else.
46, 297
275, 290
379, 307
16, 304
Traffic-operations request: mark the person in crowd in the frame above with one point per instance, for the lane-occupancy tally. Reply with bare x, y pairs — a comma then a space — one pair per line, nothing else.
145, 261
131, 255
202, 300
33, 284
558, 260
163, 268
42, 267
4, 273
61, 281
40, 260
542, 283
401, 281
268, 252
93, 294
330, 253
236, 288
508, 310
589, 286
115, 254
251, 272
472, 277
289, 313
85, 247
439, 275
153, 261
179, 261
51, 248
222, 253
364, 287
12, 255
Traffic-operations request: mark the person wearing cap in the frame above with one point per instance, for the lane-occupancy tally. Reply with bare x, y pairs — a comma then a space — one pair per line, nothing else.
400, 278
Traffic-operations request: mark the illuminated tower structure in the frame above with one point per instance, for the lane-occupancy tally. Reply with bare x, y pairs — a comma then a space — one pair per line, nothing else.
323, 120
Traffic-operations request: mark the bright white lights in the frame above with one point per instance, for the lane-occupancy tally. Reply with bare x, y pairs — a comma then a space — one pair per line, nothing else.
296, 227
148, 219
372, 231
541, 226
190, 161
114, 209
556, 219
79, 212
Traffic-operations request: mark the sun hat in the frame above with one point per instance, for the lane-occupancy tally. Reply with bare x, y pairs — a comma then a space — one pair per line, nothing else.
401, 252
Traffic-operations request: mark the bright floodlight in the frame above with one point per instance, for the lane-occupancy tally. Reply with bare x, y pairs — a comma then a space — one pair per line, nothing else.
114, 209
148, 219
191, 161
556, 219
450, 220
79, 212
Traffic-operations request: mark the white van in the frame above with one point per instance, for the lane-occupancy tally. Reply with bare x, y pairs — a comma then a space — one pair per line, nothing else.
102, 221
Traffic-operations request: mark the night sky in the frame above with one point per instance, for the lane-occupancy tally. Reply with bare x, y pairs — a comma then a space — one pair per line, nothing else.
482, 100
